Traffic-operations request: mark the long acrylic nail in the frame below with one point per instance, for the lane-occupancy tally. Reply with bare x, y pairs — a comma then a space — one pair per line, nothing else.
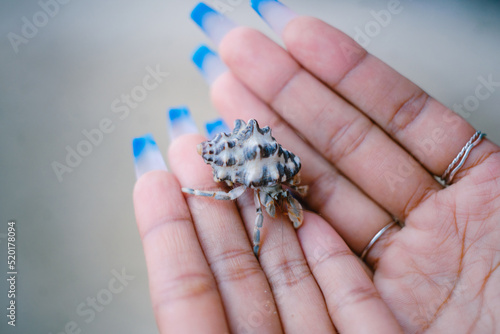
209, 63
215, 127
213, 23
180, 122
147, 156
274, 13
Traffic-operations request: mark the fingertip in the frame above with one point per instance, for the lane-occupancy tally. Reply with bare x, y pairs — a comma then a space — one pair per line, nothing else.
274, 13
199, 12
214, 24
208, 63
215, 127
180, 122
147, 156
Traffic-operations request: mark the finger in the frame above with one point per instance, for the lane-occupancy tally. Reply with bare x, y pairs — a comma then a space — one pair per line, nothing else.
361, 150
431, 132
348, 291
352, 214
243, 287
381, 241
300, 303
180, 281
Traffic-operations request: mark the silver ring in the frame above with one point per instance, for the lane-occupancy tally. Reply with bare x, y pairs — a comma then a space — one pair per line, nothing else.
459, 161
375, 238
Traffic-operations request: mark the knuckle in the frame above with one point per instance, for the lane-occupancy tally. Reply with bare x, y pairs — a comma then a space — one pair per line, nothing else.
327, 254
355, 296
348, 138
407, 112
234, 265
288, 273
187, 286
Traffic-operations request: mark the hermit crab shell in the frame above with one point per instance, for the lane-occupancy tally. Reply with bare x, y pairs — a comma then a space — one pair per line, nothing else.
249, 156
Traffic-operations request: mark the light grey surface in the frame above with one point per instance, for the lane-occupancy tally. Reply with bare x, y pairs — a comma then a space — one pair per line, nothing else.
73, 233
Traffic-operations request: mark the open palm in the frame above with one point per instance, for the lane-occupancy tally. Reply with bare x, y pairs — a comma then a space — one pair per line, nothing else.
440, 272
370, 142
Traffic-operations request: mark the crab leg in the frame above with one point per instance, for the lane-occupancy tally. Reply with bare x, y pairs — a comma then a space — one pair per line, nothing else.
259, 219
231, 195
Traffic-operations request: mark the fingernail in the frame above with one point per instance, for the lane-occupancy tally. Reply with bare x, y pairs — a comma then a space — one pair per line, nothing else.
213, 23
274, 13
180, 122
215, 127
147, 156
209, 63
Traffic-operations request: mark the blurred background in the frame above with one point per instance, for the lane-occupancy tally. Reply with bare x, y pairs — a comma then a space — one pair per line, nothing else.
64, 66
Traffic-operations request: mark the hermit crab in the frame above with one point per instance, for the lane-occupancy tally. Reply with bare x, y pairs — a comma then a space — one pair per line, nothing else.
250, 157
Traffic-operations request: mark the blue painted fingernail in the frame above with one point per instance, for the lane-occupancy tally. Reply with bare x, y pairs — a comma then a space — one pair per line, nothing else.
147, 156
213, 23
209, 63
215, 127
180, 122
274, 13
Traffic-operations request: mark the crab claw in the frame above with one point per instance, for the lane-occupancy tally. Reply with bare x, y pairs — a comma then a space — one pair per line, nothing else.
199, 148
268, 203
271, 208
295, 212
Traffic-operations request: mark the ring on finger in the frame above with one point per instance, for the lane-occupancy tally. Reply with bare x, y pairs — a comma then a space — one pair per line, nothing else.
375, 238
459, 161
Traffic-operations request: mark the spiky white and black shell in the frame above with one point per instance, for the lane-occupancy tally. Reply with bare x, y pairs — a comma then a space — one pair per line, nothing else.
249, 156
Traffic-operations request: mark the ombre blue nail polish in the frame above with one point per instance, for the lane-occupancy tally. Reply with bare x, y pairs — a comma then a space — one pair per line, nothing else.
147, 156
208, 63
274, 13
215, 127
180, 122
213, 23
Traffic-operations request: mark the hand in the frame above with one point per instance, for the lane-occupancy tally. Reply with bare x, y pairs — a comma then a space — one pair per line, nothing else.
370, 142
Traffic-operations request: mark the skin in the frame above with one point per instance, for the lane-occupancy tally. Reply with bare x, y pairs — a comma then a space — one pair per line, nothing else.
370, 142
